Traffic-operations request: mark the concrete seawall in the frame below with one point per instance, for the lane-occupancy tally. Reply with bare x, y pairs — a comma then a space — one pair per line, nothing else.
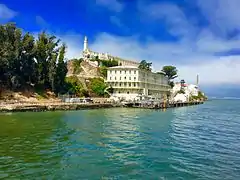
52, 107
36, 107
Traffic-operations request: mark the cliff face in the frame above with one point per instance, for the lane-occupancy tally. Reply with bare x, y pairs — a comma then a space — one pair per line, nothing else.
83, 70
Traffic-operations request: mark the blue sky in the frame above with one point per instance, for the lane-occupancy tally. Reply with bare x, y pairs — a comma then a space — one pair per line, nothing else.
199, 37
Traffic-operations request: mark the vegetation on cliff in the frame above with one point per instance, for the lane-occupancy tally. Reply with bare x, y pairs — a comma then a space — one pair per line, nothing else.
200, 96
77, 65
105, 64
95, 87
75, 86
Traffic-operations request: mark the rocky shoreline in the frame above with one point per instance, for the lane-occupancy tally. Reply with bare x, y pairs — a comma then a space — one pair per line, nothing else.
52, 107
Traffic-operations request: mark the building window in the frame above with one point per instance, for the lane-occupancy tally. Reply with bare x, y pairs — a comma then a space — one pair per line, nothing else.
120, 78
125, 72
134, 72
134, 78
120, 72
119, 92
115, 78
125, 77
120, 84
110, 78
134, 84
128, 92
129, 78
115, 72
129, 84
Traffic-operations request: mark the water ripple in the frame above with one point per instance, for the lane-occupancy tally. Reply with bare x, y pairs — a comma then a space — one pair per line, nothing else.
198, 142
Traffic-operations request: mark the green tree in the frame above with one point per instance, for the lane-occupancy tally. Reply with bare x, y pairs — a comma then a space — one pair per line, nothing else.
61, 69
109, 63
74, 86
103, 71
10, 50
144, 65
28, 65
98, 86
52, 71
170, 73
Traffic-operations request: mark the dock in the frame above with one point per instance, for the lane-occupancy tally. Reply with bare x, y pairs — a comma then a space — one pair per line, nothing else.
161, 105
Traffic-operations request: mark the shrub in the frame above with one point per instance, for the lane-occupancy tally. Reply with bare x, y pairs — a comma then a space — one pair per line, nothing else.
97, 86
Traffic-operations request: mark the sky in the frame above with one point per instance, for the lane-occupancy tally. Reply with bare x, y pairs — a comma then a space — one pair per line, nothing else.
198, 37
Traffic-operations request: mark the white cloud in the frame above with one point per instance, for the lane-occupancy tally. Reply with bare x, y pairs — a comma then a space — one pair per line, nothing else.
170, 14
41, 22
223, 15
6, 13
212, 70
113, 5
192, 54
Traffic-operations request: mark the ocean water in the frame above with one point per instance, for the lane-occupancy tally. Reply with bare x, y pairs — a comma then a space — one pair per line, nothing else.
196, 142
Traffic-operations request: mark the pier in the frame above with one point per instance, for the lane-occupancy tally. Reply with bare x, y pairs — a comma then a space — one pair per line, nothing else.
161, 105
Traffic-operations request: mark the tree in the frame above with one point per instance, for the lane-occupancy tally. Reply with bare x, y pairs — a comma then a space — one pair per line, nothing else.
61, 69
28, 65
10, 51
103, 71
45, 48
109, 63
25, 61
74, 86
98, 86
170, 73
144, 65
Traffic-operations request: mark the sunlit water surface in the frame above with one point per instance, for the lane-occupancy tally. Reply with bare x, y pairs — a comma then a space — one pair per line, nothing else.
197, 142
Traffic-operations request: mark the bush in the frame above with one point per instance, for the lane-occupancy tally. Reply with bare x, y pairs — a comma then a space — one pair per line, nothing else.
97, 86
181, 91
74, 86
200, 96
77, 66
109, 63
103, 71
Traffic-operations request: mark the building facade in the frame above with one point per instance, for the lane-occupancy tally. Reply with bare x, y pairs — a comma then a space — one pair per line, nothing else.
131, 83
89, 54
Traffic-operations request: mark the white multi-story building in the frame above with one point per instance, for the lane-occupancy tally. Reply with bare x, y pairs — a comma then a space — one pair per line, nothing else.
132, 83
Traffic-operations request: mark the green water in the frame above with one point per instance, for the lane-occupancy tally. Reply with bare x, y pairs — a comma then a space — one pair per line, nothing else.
197, 142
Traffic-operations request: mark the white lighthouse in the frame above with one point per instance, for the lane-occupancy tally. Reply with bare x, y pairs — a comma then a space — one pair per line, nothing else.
85, 45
